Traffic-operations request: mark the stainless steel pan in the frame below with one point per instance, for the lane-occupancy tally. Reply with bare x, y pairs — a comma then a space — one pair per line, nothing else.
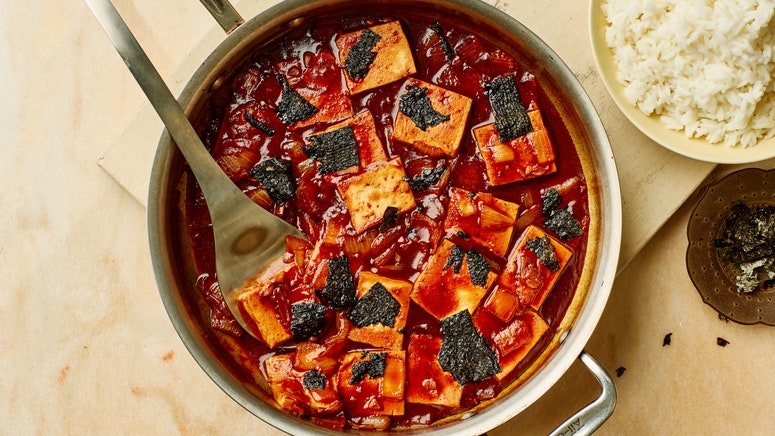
172, 263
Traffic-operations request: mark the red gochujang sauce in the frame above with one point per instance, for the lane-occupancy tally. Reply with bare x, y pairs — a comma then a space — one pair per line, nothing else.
237, 146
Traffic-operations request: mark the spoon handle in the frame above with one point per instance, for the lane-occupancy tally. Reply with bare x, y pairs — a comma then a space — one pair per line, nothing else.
207, 172
224, 13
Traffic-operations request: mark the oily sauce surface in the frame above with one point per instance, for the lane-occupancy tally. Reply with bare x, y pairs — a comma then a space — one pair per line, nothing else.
401, 252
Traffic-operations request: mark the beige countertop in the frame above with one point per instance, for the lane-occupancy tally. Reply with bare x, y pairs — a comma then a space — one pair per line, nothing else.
86, 346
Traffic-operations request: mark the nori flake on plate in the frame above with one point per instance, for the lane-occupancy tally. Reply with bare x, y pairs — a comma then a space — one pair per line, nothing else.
377, 306
416, 105
276, 177
511, 118
465, 353
360, 56
620, 371
292, 107
721, 342
339, 291
335, 150
666, 340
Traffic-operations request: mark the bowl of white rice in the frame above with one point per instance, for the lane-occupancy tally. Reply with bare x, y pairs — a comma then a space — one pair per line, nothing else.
695, 76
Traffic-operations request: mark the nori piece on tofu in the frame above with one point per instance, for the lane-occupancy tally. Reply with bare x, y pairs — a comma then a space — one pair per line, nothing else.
416, 105
478, 267
336, 150
377, 306
445, 45
258, 124
550, 201
544, 250
292, 107
339, 291
426, 178
374, 367
360, 56
564, 224
389, 218
455, 259
307, 320
511, 118
313, 380
465, 353
276, 177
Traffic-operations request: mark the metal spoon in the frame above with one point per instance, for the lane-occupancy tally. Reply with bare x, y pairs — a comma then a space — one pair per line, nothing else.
248, 239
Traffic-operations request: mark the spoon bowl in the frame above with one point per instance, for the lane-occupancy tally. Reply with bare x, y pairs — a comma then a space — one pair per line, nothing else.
248, 238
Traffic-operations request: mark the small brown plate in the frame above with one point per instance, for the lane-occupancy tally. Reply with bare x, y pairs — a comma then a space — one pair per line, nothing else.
714, 278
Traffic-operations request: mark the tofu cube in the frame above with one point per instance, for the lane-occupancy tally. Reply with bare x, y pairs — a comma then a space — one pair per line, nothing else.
375, 56
528, 275
427, 382
522, 158
302, 392
264, 306
372, 383
453, 280
431, 119
368, 146
368, 194
373, 310
514, 340
484, 219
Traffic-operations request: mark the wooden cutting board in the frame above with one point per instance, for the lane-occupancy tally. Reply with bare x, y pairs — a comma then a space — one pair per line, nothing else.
654, 181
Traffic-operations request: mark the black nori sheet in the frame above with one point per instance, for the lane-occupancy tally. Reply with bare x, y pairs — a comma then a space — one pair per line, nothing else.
416, 105
550, 200
511, 118
465, 353
374, 367
377, 306
564, 224
360, 56
307, 320
455, 259
276, 177
339, 291
426, 178
335, 150
258, 124
544, 250
313, 380
292, 107
445, 45
389, 218
478, 267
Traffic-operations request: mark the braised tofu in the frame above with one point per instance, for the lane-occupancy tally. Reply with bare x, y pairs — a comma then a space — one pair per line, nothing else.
380, 314
370, 193
455, 279
533, 267
372, 383
265, 307
515, 339
301, 392
525, 157
430, 118
427, 382
375, 56
348, 145
485, 220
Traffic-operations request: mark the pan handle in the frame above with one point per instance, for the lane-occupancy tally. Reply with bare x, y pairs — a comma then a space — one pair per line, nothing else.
224, 13
587, 420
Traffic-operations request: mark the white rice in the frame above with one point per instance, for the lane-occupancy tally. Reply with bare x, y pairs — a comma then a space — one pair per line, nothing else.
702, 66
